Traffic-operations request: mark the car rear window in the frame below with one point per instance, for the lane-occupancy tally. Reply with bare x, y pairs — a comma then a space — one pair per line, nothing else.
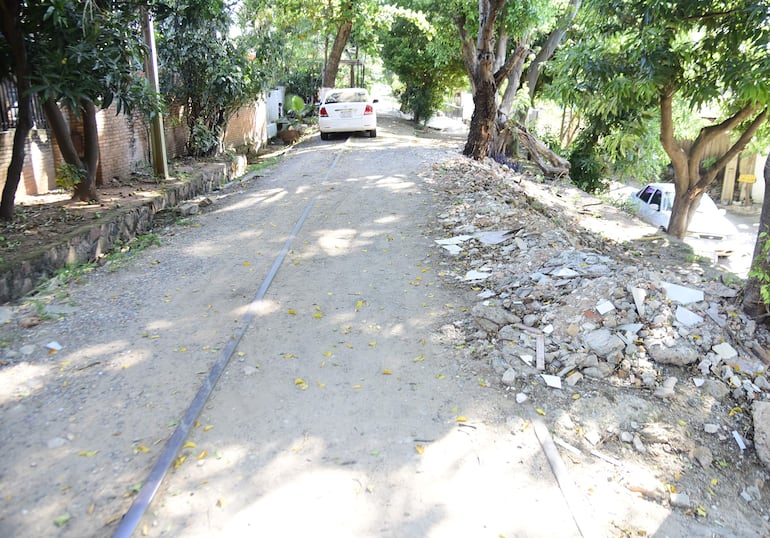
346, 97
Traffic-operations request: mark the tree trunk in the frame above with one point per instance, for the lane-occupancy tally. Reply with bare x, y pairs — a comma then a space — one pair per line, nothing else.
760, 264
483, 125
87, 190
483, 119
549, 47
340, 41
689, 183
10, 11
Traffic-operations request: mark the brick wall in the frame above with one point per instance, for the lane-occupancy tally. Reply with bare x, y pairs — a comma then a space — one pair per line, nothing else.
123, 143
247, 128
39, 172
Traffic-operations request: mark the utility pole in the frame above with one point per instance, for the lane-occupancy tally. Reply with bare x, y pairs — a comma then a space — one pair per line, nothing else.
157, 138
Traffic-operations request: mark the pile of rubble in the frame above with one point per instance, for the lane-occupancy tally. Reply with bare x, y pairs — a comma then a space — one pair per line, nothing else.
558, 303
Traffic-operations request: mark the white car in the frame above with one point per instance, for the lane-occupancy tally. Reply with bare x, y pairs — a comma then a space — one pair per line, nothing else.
347, 110
655, 201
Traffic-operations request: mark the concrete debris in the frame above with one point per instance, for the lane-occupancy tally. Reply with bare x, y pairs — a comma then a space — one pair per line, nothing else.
682, 294
688, 318
761, 415
559, 300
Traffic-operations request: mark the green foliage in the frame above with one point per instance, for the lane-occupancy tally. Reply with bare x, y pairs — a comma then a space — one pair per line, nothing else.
203, 141
84, 51
69, 176
759, 270
422, 64
586, 171
206, 71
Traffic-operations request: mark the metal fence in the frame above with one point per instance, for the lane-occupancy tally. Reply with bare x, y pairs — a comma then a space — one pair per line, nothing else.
9, 107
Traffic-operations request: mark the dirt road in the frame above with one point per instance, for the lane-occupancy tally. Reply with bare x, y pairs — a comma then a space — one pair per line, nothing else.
344, 411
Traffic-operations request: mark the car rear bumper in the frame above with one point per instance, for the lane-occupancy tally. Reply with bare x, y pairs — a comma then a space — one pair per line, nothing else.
344, 126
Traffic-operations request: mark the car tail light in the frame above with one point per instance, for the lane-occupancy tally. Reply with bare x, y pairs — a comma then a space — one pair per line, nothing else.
369, 110
323, 112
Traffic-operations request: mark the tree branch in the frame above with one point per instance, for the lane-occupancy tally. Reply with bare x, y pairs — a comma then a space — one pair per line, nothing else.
734, 150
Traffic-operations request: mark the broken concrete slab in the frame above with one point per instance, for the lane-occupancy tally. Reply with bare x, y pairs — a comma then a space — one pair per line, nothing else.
761, 417
682, 294
687, 317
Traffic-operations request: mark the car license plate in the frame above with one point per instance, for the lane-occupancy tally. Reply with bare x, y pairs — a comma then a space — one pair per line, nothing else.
346, 113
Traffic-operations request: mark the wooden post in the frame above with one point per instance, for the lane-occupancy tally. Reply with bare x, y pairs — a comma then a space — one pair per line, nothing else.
157, 138
728, 184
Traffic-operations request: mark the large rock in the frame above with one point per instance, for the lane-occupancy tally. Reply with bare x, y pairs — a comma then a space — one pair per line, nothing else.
603, 342
678, 355
492, 318
761, 416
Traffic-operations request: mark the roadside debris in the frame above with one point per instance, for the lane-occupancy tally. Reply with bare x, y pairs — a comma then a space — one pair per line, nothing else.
564, 308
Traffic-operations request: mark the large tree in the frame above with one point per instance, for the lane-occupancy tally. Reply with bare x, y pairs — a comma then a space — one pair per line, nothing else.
206, 71
11, 27
79, 56
710, 55
425, 62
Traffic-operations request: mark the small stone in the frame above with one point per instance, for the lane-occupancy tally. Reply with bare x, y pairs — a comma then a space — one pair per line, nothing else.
678, 355
573, 329
626, 437
679, 500
666, 390
573, 378
29, 349
592, 437
639, 445
499, 365
761, 382
725, 351
710, 428
603, 342
702, 455
56, 442
715, 388
187, 210
509, 379
521, 397
604, 307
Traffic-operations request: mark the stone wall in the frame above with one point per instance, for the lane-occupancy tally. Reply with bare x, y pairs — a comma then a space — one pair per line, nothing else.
96, 238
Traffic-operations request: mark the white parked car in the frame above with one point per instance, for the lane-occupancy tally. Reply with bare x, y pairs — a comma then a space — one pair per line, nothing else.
347, 110
655, 201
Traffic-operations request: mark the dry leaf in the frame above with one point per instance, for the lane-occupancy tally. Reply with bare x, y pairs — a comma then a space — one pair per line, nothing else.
179, 461
291, 312
202, 455
540, 411
357, 386
419, 358
207, 428
141, 448
419, 449
189, 444
372, 344
461, 418
387, 372
220, 503
88, 453
318, 315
